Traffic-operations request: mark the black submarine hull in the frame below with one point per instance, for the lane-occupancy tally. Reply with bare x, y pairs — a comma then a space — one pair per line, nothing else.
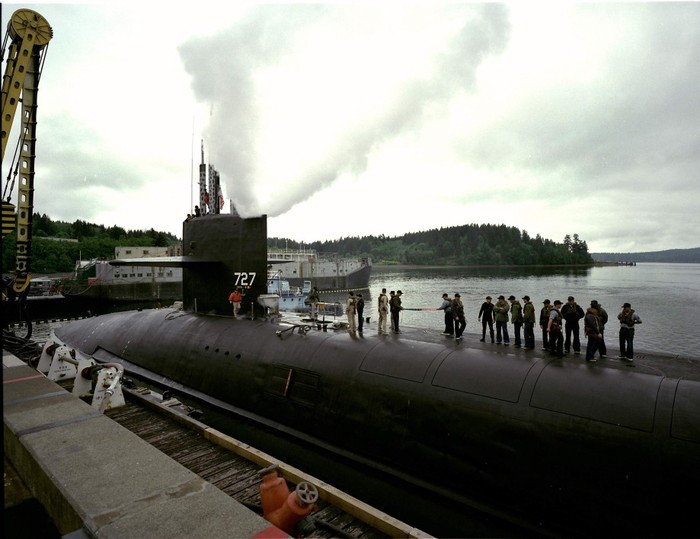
594, 450
600, 450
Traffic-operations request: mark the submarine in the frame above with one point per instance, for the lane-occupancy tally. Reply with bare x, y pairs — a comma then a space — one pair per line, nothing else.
606, 449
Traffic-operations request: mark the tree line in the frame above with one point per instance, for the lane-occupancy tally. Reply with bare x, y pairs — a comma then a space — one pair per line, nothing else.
472, 244
458, 245
56, 245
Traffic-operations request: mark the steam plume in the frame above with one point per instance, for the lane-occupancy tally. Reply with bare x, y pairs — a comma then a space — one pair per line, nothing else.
301, 94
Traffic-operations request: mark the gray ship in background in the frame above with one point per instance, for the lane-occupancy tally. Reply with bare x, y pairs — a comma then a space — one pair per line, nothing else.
97, 279
298, 269
328, 273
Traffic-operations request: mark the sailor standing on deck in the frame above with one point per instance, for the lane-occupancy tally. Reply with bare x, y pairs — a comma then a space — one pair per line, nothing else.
556, 337
313, 299
458, 314
360, 308
236, 298
350, 310
528, 323
516, 313
544, 322
592, 332
602, 320
500, 312
392, 295
449, 320
383, 307
628, 319
572, 313
486, 317
395, 307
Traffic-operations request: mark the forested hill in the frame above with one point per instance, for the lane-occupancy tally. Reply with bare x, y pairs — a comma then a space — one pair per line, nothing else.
688, 256
56, 245
459, 245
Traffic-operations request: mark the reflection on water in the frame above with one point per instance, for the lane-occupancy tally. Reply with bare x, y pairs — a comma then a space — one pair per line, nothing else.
666, 296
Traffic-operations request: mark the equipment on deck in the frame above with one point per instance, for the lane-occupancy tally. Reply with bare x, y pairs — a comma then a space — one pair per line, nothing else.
100, 383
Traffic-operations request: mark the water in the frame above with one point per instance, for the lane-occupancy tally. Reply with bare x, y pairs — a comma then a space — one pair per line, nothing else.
666, 296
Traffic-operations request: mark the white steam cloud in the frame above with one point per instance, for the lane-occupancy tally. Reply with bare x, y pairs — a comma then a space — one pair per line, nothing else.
301, 94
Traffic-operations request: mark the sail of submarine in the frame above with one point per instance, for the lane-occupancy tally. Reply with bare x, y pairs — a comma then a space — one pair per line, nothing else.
601, 449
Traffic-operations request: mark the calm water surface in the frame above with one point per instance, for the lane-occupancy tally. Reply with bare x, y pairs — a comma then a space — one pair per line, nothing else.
666, 296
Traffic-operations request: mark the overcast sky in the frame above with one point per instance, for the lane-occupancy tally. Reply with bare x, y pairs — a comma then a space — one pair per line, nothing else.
358, 119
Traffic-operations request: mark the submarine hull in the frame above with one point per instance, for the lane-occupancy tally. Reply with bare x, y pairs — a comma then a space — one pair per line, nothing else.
605, 449
582, 448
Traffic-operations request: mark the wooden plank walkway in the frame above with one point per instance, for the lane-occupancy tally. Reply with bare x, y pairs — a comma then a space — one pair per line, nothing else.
237, 475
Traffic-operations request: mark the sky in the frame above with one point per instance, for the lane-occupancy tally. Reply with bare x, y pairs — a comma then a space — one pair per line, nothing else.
377, 118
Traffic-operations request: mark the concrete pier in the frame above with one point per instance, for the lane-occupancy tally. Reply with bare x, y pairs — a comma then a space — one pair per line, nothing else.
97, 479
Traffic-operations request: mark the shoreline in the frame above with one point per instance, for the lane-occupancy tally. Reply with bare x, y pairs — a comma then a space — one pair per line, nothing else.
472, 266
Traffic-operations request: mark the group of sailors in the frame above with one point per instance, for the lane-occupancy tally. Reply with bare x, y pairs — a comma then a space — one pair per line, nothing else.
558, 321
354, 310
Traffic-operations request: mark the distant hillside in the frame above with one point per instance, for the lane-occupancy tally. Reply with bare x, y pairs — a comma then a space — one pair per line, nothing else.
478, 245
687, 256
56, 245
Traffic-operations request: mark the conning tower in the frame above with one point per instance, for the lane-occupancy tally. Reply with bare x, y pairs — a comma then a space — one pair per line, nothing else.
221, 252
224, 252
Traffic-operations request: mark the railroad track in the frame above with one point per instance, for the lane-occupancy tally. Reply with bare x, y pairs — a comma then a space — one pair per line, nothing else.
190, 443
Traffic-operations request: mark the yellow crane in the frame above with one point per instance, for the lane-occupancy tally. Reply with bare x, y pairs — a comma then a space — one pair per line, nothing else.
28, 34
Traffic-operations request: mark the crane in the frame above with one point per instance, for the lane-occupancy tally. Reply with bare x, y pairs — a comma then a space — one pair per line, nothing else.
28, 34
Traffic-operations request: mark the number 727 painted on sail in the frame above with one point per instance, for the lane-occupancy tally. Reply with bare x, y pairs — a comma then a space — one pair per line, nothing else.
244, 278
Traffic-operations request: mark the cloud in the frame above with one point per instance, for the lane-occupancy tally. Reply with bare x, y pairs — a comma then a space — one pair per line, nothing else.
338, 82
339, 119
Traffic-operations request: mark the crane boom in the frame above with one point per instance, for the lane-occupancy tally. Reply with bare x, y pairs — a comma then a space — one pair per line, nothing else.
29, 33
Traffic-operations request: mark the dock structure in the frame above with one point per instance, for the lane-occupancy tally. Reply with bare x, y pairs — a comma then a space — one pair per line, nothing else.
97, 478
94, 476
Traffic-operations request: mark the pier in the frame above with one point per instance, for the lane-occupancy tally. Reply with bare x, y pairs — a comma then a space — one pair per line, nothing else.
147, 470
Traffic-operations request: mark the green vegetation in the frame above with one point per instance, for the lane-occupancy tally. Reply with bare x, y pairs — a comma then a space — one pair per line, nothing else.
55, 249
459, 245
